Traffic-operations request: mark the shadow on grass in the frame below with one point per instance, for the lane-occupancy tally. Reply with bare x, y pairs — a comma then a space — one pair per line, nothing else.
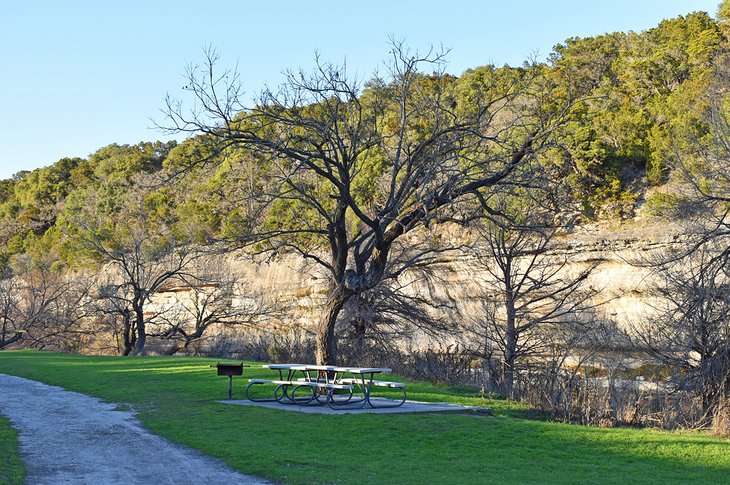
176, 397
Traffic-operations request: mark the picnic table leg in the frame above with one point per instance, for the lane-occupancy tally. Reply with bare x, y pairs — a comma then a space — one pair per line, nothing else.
331, 400
302, 401
368, 387
400, 403
282, 395
284, 398
255, 399
349, 403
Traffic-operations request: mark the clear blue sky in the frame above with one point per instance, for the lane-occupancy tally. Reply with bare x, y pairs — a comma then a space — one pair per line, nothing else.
79, 75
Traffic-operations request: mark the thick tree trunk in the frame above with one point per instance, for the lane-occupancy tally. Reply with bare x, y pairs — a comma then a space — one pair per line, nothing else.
5, 342
326, 353
141, 330
128, 337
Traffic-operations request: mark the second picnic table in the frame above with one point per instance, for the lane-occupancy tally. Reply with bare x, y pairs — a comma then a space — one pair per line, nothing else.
336, 386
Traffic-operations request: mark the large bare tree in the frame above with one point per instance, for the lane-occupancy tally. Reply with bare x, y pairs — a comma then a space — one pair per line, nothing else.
42, 308
688, 331
212, 295
345, 168
143, 253
532, 294
11, 328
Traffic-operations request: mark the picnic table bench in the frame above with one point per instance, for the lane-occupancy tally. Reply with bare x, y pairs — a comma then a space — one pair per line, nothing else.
283, 395
326, 385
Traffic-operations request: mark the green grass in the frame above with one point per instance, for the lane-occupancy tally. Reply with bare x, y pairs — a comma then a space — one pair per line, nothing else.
176, 398
11, 468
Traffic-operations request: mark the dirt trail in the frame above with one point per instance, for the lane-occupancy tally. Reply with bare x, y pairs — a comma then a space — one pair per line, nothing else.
66, 437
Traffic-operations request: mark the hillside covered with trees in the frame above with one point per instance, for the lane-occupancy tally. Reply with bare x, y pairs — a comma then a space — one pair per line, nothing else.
643, 97
358, 177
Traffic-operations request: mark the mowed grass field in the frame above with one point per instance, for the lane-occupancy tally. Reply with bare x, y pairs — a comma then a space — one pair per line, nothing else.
11, 468
177, 398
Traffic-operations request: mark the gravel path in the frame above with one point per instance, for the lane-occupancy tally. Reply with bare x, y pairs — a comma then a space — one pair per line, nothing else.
66, 437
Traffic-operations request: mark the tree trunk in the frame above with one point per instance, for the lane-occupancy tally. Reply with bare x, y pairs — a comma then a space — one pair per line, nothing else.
127, 336
326, 354
510, 350
173, 349
508, 374
13, 339
141, 330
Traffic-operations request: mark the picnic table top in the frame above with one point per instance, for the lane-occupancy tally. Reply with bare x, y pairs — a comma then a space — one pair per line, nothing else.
328, 368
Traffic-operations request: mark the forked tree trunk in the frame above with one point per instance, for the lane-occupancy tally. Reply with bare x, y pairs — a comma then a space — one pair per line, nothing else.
141, 329
326, 353
128, 338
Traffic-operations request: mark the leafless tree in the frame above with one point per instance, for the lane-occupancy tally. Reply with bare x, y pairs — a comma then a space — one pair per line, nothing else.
11, 329
531, 294
348, 169
42, 308
212, 295
688, 331
145, 254
110, 308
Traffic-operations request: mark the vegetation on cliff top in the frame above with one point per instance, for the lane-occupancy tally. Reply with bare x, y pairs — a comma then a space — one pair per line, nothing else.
644, 97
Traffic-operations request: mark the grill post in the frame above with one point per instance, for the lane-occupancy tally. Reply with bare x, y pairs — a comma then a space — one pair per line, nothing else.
230, 370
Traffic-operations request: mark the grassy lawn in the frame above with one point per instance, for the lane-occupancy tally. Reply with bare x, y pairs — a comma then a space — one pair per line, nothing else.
11, 468
176, 398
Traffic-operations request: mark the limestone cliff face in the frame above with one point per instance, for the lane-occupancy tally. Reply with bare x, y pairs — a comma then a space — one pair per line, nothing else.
622, 275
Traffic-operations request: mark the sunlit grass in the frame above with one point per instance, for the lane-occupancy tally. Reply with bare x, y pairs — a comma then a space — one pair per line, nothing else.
11, 468
177, 398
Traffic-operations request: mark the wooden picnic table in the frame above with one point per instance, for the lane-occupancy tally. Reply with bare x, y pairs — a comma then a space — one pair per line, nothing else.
327, 384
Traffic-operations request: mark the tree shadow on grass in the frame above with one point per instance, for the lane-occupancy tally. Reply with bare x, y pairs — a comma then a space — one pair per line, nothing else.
518, 446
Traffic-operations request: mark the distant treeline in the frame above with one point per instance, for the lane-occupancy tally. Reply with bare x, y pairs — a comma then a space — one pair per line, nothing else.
644, 99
